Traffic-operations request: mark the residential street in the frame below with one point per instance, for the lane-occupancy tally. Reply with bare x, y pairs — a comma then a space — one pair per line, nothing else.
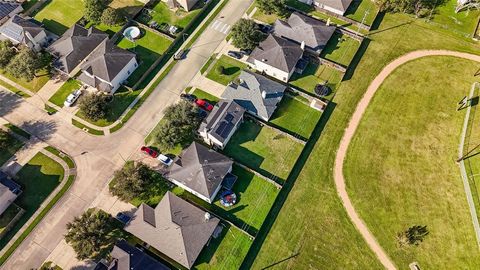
98, 157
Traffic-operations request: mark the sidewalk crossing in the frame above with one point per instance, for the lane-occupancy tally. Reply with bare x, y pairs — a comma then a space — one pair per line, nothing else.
220, 26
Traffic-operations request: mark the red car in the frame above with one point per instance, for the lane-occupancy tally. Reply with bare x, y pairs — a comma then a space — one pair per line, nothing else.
204, 105
149, 151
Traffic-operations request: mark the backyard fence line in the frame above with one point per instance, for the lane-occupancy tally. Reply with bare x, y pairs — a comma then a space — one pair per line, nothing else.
270, 180
294, 136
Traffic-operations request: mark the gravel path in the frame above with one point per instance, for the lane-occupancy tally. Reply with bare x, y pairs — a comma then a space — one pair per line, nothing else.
350, 131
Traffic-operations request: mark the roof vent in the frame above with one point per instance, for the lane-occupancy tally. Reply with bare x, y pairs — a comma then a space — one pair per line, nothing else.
264, 94
207, 216
302, 45
264, 60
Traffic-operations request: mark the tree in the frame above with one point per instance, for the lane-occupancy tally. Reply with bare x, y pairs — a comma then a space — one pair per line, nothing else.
4, 139
220, 69
92, 234
94, 106
278, 7
6, 52
111, 16
131, 181
412, 236
94, 9
181, 121
24, 64
418, 7
246, 34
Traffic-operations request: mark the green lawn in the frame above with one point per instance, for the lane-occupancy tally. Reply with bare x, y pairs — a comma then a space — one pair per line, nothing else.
59, 15
13, 146
199, 93
225, 252
266, 18
62, 93
121, 100
109, 29
127, 7
295, 116
8, 215
317, 74
263, 149
463, 22
149, 47
38, 178
360, 9
412, 179
340, 49
231, 70
163, 14
33, 85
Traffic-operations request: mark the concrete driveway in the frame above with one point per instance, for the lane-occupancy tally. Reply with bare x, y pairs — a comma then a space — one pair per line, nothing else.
98, 157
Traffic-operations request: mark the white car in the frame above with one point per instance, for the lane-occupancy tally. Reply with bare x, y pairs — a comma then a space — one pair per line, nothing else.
165, 160
72, 98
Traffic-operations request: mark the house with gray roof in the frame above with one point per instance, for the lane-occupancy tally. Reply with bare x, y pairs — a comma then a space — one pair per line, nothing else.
188, 5
24, 31
8, 9
221, 123
276, 57
174, 227
201, 171
336, 6
9, 191
301, 28
108, 67
127, 257
257, 94
74, 46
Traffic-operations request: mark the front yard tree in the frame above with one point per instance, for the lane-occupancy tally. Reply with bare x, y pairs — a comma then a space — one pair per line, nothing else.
6, 52
111, 16
94, 10
246, 34
278, 7
92, 234
24, 64
94, 106
131, 181
4, 138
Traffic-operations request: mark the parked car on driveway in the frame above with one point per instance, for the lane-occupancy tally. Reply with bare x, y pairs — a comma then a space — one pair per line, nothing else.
165, 160
204, 105
188, 97
72, 98
123, 218
149, 151
246, 52
179, 55
234, 54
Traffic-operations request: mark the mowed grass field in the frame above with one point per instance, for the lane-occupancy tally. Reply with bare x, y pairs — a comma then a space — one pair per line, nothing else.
312, 225
411, 178
59, 15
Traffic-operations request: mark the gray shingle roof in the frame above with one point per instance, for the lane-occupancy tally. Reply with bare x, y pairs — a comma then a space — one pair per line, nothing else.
277, 52
107, 61
180, 232
341, 5
75, 45
127, 257
18, 29
200, 168
301, 28
256, 93
7, 7
221, 121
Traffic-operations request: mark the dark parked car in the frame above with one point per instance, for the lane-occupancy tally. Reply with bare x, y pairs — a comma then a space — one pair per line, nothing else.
204, 105
246, 52
265, 28
202, 113
188, 97
123, 218
149, 151
234, 54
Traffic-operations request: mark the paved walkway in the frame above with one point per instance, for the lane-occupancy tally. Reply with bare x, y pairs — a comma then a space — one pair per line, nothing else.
350, 131
209, 86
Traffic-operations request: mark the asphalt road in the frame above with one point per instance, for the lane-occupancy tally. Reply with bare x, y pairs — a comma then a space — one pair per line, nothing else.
98, 157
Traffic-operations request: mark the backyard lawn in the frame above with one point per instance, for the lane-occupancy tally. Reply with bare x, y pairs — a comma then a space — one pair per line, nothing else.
231, 70
13, 146
121, 100
225, 252
415, 131
62, 93
312, 223
38, 178
149, 47
463, 22
296, 116
360, 9
127, 7
340, 49
317, 74
161, 13
263, 149
59, 15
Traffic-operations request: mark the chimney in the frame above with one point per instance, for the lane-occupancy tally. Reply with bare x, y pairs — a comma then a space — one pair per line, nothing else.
264, 94
302, 45
328, 22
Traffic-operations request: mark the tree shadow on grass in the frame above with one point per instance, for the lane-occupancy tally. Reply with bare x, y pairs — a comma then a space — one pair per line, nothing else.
287, 187
229, 71
54, 26
8, 102
209, 251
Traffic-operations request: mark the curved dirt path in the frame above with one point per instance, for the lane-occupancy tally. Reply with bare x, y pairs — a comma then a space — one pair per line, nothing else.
350, 131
